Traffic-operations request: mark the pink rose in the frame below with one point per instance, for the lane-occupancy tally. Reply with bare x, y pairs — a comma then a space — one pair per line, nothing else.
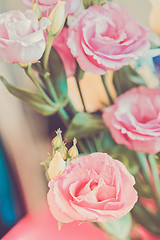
21, 36
60, 44
134, 119
106, 37
93, 188
47, 5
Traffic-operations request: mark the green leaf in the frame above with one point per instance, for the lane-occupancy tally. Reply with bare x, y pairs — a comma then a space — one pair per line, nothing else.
107, 143
37, 66
126, 78
155, 173
57, 75
33, 99
147, 219
79, 73
145, 191
120, 152
127, 157
118, 228
84, 125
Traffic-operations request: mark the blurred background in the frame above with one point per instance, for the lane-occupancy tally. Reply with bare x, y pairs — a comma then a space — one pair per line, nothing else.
25, 136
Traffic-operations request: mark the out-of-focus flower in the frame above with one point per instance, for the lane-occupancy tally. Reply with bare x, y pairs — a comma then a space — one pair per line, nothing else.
156, 61
134, 119
106, 37
148, 67
140, 232
21, 36
47, 5
93, 91
148, 204
60, 44
37, 10
94, 188
155, 16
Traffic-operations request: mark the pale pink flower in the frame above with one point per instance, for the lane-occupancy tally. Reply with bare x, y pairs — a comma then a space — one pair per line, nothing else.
93, 188
154, 19
47, 5
106, 37
60, 44
134, 119
21, 36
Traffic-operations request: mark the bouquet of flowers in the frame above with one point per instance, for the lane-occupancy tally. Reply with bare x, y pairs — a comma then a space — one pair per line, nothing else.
59, 41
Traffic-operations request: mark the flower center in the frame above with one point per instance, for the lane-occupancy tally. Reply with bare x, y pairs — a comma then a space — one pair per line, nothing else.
93, 184
93, 187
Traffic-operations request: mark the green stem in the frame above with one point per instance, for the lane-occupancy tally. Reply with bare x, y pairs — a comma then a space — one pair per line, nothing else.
117, 85
30, 73
64, 116
145, 171
80, 93
97, 144
61, 111
47, 51
106, 88
146, 218
153, 165
50, 87
144, 166
90, 145
82, 146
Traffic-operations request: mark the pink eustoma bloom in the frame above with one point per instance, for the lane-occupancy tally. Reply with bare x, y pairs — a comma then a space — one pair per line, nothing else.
106, 37
21, 36
93, 188
71, 6
60, 44
134, 119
